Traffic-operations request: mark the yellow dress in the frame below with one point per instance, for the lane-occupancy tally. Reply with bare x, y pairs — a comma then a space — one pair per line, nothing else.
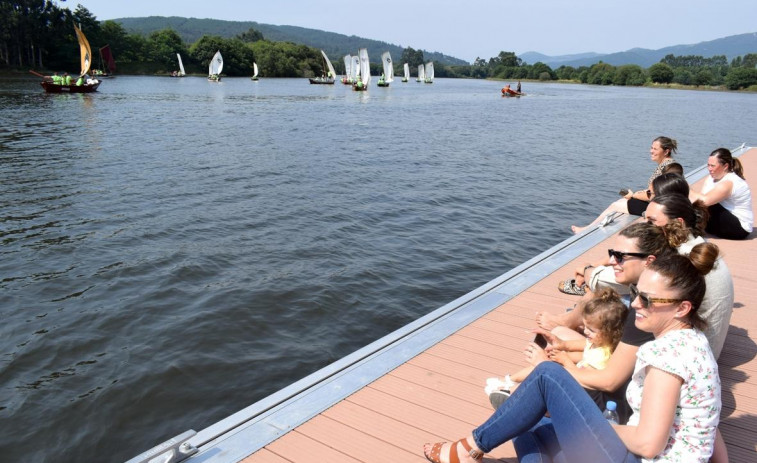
595, 357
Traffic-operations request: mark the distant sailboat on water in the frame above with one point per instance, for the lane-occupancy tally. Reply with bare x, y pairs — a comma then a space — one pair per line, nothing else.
107, 63
407, 72
421, 73
215, 67
388, 76
254, 71
364, 79
181, 72
327, 79
429, 73
347, 79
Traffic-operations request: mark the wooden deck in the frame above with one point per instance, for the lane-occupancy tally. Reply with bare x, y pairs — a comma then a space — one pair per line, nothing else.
438, 395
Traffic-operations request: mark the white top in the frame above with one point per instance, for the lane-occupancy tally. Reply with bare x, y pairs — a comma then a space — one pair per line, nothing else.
739, 203
686, 354
717, 305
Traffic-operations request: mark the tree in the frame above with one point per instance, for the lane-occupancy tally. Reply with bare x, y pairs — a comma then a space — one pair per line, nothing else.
629, 74
413, 58
739, 78
661, 73
250, 36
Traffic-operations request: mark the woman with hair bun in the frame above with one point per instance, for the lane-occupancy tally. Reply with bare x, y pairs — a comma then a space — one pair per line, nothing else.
728, 197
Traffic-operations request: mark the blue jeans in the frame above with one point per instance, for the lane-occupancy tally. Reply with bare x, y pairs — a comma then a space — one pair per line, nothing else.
575, 432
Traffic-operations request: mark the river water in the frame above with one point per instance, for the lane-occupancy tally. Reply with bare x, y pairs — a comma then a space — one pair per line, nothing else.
173, 250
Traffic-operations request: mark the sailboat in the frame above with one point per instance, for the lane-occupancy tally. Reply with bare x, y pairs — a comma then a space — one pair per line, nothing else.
354, 69
215, 67
364, 79
181, 72
388, 76
429, 74
421, 73
347, 79
407, 73
254, 71
90, 85
107, 63
329, 80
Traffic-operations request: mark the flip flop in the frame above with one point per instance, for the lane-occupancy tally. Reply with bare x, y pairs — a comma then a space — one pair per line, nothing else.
434, 455
570, 287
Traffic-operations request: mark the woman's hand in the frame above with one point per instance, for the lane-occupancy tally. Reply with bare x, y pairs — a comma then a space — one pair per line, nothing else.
535, 354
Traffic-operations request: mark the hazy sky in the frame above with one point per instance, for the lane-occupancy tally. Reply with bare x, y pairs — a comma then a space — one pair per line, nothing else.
468, 29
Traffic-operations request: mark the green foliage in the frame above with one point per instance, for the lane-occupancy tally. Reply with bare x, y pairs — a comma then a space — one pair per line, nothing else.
601, 74
250, 36
694, 61
286, 59
741, 77
629, 74
660, 73
412, 57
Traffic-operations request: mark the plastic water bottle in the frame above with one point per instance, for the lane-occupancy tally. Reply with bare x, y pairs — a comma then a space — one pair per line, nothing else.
611, 413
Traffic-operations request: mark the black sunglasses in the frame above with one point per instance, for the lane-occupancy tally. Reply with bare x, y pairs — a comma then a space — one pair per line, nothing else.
646, 301
620, 255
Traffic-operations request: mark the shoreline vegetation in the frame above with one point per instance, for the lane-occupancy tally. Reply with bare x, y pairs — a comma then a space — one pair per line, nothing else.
53, 48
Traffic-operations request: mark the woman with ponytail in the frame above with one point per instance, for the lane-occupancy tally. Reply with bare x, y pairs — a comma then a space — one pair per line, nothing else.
727, 195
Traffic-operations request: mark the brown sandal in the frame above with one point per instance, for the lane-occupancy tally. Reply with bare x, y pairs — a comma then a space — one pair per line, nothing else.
436, 450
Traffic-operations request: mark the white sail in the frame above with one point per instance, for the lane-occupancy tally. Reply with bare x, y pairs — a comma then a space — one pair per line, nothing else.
216, 64
421, 73
407, 71
386, 60
332, 73
254, 69
181, 66
347, 66
355, 68
365, 66
429, 71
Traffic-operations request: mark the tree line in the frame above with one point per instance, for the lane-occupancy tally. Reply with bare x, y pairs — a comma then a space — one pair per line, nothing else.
39, 34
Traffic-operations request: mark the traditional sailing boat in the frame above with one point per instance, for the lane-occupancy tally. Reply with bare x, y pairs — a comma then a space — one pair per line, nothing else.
325, 79
107, 63
429, 74
364, 79
407, 73
53, 85
254, 71
215, 67
421, 73
388, 76
347, 79
181, 72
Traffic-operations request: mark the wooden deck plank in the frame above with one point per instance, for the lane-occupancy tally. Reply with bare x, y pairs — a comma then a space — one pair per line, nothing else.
438, 395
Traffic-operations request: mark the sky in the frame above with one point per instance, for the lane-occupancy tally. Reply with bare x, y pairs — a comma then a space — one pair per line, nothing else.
468, 29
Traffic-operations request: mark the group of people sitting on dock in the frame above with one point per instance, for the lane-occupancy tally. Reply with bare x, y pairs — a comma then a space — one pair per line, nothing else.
646, 335
66, 79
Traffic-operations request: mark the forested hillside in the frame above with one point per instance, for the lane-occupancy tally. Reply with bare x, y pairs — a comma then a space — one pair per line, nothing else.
335, 45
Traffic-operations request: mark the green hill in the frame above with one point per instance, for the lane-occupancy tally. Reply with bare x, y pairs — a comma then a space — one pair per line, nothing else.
335, 45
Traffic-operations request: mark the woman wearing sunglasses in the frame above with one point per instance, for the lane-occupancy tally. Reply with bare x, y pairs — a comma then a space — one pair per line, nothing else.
675, 392
717, 305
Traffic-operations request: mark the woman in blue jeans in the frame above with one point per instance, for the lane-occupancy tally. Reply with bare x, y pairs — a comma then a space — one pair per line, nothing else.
674, 392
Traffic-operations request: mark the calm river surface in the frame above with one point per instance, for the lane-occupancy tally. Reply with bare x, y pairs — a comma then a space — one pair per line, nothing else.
173, 250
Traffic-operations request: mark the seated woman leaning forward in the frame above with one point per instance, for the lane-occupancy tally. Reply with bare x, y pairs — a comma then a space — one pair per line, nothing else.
635, 203
727, 196
674, 392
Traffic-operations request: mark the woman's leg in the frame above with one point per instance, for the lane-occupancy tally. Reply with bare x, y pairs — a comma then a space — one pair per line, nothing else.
724, 224
620, 205
582, 431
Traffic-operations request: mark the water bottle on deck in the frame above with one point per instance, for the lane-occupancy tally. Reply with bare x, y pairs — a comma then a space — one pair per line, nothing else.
611, 413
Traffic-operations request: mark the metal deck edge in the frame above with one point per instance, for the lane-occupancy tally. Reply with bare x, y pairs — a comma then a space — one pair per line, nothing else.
257, 425
250, 429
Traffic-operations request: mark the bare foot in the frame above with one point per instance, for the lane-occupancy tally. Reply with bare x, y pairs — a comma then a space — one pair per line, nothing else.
576, 230
440, 452
535, 354
547, 321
